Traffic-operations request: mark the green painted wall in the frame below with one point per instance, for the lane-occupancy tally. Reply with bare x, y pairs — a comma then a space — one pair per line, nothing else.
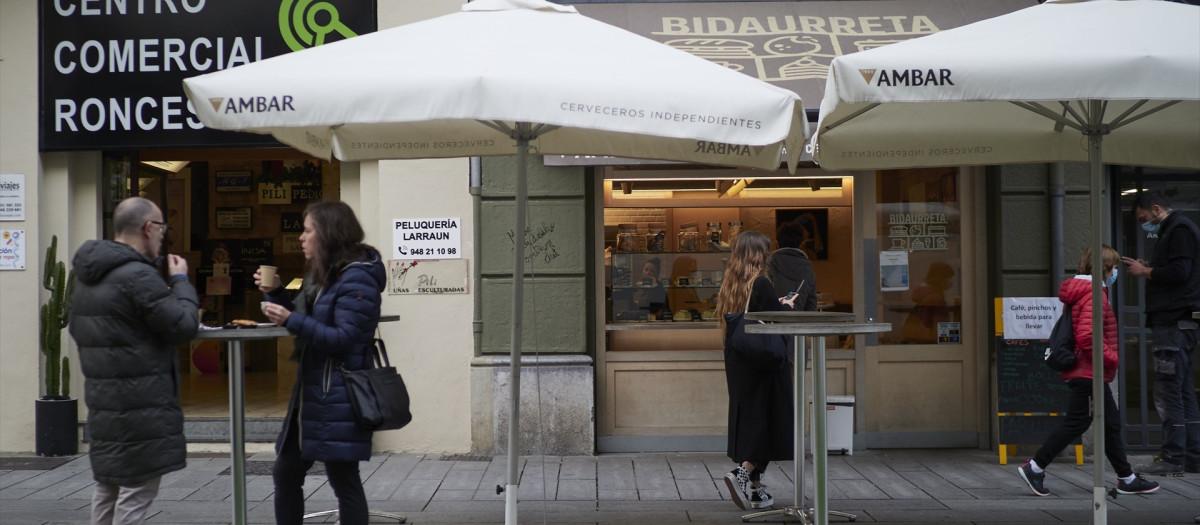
1021, 266
557, 258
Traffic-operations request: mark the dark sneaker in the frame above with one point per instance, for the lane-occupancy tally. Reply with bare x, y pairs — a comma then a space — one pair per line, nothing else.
1033, 479
738, 480
1139, 485
1160, 467
759, 498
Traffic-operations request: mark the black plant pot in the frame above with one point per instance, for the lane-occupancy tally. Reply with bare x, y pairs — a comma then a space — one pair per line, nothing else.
57, 426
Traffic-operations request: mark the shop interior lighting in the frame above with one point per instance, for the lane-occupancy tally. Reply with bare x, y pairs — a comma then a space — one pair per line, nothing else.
724, 186
172, 166
737, 187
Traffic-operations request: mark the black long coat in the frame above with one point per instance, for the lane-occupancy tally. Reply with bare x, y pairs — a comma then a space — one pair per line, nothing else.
761, 417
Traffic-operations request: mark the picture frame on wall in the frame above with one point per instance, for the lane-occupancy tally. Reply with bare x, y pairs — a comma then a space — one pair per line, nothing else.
815, 224
232, 180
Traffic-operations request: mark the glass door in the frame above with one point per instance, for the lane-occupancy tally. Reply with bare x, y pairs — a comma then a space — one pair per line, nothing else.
1143, 427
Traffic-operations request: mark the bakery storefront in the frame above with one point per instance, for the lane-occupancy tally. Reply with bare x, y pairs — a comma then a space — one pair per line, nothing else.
895, 246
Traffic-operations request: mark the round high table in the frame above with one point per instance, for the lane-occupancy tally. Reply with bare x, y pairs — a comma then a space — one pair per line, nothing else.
235, 337
816, 326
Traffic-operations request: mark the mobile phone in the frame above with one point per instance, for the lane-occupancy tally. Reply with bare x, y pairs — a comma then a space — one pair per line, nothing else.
790, 295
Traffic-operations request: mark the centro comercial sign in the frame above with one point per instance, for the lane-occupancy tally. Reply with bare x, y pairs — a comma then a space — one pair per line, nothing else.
112, 71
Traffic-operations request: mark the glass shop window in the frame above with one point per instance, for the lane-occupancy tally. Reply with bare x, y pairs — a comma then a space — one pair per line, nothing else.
920, 256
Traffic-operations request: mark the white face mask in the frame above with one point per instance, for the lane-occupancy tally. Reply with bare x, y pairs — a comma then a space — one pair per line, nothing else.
1111, 279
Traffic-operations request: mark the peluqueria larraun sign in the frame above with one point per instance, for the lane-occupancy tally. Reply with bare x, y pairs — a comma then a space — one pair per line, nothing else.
112, 70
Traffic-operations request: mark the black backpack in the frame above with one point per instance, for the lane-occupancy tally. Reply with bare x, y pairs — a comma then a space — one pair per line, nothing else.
1060, 349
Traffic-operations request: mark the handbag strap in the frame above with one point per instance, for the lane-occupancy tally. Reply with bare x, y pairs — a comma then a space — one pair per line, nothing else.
380, 354
378, 357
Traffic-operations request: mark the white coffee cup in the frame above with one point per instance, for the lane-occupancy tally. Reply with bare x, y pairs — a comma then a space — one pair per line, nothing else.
267, 275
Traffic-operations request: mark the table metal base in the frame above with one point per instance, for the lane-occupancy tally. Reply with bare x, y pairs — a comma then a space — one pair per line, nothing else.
819, 514
805, 515
378, 514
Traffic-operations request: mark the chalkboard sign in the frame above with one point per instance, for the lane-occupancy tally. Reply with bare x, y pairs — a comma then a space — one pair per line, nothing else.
1027, 430
1026, 385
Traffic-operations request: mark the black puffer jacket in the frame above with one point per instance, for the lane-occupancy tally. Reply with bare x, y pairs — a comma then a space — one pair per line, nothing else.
791, 271
127, 323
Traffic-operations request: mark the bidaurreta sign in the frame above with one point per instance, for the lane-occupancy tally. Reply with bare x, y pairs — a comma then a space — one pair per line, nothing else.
112, 70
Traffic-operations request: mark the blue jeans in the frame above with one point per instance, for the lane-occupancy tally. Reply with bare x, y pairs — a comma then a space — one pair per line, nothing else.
1175, 392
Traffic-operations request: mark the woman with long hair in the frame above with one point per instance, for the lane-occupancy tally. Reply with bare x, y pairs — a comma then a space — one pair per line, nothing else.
760, 401
334, 319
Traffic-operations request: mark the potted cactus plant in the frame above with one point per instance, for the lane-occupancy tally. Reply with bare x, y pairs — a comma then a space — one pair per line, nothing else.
56, 416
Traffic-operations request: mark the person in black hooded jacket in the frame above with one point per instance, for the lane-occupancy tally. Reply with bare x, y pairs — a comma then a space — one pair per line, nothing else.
127, 323
790, 270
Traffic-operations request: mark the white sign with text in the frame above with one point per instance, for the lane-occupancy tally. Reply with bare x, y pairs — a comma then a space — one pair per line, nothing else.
12, 197
428, 277
1030, 317
427, 238
12, 249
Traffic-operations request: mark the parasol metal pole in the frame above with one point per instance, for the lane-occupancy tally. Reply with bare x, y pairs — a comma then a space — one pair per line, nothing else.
1095, 134
510, 491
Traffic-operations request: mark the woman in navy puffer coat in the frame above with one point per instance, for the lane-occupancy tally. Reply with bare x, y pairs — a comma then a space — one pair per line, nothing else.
334, 320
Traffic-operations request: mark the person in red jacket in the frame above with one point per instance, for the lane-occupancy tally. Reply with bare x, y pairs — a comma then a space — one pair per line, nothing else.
1077, 293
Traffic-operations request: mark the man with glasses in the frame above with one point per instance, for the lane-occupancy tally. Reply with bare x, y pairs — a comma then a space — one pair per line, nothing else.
127, 323
1172, 294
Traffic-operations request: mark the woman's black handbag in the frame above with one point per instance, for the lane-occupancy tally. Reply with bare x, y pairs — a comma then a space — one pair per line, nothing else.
758, 351
378, 394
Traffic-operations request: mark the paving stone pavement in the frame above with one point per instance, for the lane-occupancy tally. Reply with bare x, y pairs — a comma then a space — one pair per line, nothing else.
949, 487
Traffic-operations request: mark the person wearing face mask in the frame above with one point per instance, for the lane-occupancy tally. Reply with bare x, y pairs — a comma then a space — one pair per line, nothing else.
1077, 293
1172, 293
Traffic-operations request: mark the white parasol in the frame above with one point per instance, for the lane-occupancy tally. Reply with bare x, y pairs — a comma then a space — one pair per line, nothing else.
506, 77
1050, 83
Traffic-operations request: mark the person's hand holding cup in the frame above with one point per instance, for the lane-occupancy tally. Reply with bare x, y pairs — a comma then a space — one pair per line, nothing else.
266, 279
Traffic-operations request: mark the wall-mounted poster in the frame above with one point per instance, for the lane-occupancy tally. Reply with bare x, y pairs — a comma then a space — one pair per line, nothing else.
238, 180
12, 196
291, 243
270, 193
291, 222
306, 192
12, 249
238, 218
428, 276
814, 228
427, 238
893, 271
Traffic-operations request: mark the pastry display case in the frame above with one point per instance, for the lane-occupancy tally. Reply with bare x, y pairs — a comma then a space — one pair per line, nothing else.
664, 287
